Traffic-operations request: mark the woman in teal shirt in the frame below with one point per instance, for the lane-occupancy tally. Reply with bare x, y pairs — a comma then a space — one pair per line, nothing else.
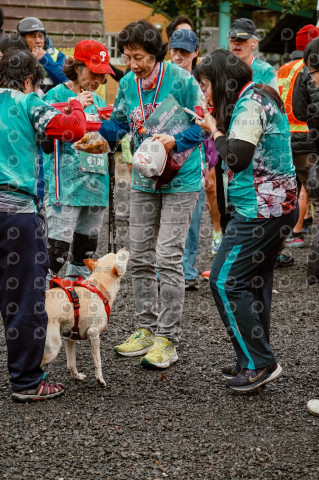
159, 220
25, 120
75, 216
252, 136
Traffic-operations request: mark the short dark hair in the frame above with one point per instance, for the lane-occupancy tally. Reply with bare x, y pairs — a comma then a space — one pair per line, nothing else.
16, 66
1, 17
171, 27
69, 67
13, 40
311, 54
142, 33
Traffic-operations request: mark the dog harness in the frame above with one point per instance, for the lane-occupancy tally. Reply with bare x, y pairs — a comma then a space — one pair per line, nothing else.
68, 287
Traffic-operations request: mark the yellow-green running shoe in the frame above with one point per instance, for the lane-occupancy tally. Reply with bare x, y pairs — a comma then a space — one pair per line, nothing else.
161, 355
138, 343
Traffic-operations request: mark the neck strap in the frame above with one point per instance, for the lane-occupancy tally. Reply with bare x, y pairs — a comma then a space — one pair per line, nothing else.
157, 89
245, 88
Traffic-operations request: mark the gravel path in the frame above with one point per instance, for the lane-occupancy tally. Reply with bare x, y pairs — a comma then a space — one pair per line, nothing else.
181, 423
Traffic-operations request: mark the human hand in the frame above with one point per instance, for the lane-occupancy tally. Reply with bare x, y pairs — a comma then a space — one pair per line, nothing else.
86, 98
167, 140
208, 122
38, 52
106, 112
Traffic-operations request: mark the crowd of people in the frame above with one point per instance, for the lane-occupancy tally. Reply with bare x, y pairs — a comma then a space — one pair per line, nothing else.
251, 174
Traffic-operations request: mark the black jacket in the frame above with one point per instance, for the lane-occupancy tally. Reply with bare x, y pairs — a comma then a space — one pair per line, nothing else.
305, 104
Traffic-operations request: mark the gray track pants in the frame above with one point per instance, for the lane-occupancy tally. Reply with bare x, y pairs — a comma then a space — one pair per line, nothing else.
159, 225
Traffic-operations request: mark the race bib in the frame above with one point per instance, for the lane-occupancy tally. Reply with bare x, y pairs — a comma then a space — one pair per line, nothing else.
93, 163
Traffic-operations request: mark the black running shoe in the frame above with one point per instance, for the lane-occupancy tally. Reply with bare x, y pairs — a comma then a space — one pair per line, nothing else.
249, 379
231, 371
191, 284
284, 260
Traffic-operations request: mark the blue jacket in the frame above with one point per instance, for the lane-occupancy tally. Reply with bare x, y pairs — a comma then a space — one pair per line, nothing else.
53, 62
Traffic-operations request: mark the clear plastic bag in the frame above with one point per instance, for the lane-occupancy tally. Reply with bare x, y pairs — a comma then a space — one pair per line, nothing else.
92, 142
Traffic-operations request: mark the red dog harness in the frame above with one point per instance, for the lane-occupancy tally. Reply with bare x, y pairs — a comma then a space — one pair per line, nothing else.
68, 287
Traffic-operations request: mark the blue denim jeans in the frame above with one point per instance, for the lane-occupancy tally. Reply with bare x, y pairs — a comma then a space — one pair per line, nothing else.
192, 241
159, 223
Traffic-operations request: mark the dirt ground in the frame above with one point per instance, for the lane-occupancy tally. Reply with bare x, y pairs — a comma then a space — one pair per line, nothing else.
181, 423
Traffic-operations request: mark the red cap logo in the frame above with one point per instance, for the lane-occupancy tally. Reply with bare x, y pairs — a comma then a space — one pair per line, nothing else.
94, 55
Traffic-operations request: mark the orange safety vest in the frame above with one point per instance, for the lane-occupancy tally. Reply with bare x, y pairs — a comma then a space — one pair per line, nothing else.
287, 75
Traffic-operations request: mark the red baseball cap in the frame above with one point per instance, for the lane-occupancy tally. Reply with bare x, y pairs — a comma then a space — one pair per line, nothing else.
94, 55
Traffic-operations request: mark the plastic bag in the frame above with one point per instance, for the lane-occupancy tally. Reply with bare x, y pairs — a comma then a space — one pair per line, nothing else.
92, 142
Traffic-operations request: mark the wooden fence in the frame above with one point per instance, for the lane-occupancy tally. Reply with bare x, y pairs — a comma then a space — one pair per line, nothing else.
66, 21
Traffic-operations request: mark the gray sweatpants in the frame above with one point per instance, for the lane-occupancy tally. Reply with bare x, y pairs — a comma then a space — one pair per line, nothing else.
85, 220
159, 225
62, 224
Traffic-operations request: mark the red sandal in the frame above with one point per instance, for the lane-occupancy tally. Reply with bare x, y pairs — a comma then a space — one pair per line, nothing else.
44, 391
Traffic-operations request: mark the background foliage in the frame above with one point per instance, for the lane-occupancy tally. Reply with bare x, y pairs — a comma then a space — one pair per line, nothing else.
198, 8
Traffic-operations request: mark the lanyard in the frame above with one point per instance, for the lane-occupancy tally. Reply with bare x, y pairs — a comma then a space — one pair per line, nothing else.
252, 61
245, 88
158, 86
57, 154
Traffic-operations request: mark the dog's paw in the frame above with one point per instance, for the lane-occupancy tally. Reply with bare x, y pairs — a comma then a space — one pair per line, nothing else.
101, 381
78, 376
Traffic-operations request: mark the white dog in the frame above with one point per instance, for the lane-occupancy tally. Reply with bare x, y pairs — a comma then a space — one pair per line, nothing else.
93, 319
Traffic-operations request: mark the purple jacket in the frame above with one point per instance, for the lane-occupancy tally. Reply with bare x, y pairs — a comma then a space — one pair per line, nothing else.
211, 153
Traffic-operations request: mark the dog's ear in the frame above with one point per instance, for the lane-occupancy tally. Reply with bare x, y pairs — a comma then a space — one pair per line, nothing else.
121, 259
91, 263
116, 271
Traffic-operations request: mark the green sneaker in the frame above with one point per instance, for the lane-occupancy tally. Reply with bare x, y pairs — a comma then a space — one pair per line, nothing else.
161, 355
138, 343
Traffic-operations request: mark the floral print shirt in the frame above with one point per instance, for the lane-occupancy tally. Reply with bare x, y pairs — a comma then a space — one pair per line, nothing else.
267, 187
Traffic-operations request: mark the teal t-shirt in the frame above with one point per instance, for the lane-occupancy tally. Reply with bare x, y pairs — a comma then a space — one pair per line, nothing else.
23, 118
263, 72
79, 186
127, 109
267, 187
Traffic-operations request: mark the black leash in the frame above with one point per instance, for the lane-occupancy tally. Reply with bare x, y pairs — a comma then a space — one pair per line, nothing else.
112, 225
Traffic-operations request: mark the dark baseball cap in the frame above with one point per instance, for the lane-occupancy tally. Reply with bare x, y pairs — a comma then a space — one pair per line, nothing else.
185, 39
242, 28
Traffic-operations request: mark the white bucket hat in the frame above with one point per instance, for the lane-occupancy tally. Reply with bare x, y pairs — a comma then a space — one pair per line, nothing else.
150, 158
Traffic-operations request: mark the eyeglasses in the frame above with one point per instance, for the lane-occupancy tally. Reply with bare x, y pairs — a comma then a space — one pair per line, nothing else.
311, 73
